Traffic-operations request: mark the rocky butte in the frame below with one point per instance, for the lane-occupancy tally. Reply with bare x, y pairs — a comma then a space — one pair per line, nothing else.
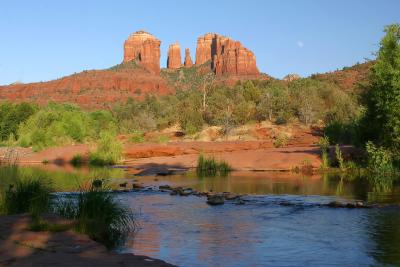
145, 49
226, 56
174, 56
188, 60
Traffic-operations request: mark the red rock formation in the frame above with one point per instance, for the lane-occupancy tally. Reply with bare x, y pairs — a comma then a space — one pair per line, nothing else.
227, 56
188, 59
174, 56
203, 49
145, 48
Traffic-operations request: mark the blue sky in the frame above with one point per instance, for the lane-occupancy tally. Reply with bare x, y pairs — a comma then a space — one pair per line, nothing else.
44, 40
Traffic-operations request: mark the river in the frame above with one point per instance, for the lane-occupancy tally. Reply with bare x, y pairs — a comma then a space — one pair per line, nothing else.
281, 223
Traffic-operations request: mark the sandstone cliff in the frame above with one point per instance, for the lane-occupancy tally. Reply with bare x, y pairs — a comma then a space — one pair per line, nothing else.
188, 59
145, 49
174, 56
226, 56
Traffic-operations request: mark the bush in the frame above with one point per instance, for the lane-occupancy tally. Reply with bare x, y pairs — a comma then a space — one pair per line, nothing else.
339, 157
109, 150
77, 160
137, 137
212, 167
324, 146
379, 159
30, 195
99, 215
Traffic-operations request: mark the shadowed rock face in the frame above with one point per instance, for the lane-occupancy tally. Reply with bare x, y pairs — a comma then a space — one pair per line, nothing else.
227, 56
145, 48
174, 56
188, 59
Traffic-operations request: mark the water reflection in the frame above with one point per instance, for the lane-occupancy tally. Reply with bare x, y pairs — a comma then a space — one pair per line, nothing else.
188, 232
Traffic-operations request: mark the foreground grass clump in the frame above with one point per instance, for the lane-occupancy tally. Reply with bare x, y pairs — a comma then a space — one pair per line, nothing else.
212, 167
109, 150
32, 195
99, 215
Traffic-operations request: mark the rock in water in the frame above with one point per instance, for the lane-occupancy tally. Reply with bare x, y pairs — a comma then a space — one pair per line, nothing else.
145, 49
188, 59
174, 56
215, 199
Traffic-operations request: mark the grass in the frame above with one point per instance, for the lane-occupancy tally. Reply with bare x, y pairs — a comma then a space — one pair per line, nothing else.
137, 137
38, 225
212, 167
95, 211
99, 215
77, 160
32, 195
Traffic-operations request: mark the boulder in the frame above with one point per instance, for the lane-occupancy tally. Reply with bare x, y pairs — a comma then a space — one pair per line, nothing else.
215, 199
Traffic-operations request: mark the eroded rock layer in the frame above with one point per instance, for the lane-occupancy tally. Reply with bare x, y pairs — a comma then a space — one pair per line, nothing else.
226, 56
188, 59
145, 49
174, 56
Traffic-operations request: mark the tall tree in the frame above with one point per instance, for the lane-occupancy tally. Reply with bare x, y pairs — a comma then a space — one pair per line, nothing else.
382, 121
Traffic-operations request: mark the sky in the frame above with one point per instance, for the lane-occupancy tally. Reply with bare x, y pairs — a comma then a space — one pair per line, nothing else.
46, 39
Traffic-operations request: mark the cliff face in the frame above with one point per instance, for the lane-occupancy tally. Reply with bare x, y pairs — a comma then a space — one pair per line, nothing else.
188, 59
174, 56
145, 48
227, 56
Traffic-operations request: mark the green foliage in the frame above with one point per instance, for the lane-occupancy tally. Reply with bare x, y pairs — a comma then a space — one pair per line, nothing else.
108, 152
339, 157
137, 137
379, 159
382, 121
77, 160
323, 144
281, 141
11, 116
31, 195
60, 124
99, 215
212, 167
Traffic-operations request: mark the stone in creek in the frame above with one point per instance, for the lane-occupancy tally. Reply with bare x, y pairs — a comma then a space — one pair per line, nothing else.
215, 199
231, 196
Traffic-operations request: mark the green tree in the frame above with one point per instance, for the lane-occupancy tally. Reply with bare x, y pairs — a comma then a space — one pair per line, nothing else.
382, 121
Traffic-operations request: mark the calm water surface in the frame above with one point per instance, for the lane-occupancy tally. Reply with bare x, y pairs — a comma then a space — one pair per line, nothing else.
188, 232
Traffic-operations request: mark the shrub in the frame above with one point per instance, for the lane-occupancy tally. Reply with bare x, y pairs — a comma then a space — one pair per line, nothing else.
109, 150
212, 167
379, 159
137, 137
324, 146
99, 215
281, 141
339, 157
77, 160
32, 195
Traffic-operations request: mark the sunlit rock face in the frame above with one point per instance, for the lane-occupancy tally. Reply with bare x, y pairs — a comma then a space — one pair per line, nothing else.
174, 56
145, 48
226, 56
188, 59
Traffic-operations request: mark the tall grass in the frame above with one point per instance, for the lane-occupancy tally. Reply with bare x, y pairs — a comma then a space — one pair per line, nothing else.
212, 167
99, 215
32, 195
323, 144
109, 150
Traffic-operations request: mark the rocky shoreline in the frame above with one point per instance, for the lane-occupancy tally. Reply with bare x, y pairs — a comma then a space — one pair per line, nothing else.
22, 247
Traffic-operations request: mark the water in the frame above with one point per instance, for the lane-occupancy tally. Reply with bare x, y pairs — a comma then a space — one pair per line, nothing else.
188, 232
